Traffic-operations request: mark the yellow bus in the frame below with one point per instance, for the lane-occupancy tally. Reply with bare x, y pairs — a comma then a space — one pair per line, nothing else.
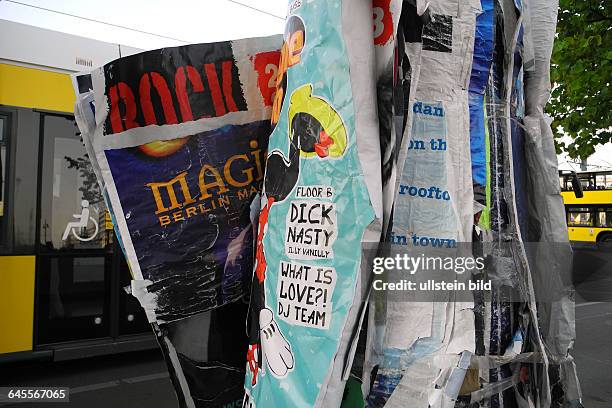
61, 281
589, 212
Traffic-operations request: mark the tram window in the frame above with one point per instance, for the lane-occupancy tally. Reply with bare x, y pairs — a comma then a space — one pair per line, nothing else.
73, 298
73, 211
604, 217
67, 275
3, 173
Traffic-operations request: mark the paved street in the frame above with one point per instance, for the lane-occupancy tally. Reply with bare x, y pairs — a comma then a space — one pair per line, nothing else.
593, 348
140, 379
130, 380
593, 273
593, 353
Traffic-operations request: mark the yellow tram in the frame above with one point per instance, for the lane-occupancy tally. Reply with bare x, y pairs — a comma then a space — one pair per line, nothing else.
61, 271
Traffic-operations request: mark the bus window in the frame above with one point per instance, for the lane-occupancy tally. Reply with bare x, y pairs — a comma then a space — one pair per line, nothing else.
604, 181
576, 186
579, 217
596, 181
587, 182
567, 183
563, 182
600, 181
604, 217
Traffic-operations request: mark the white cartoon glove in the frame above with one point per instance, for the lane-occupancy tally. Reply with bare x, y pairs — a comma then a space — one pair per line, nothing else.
274, 347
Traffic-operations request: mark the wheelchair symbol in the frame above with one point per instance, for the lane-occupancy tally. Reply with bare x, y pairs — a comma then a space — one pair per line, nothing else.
82, 222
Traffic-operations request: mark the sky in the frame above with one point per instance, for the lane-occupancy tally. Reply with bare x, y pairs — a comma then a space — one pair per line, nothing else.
601, 160
170, 23
184, 21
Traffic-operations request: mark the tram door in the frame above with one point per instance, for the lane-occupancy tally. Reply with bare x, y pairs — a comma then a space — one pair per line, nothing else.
80, 269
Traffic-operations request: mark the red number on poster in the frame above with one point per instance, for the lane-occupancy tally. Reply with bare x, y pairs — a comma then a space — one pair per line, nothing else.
383, 23
267, 71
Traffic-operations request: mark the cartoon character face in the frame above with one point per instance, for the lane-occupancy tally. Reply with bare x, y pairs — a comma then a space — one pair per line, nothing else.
320, 127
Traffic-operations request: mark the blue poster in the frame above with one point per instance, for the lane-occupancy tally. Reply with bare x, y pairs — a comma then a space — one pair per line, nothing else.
315, 208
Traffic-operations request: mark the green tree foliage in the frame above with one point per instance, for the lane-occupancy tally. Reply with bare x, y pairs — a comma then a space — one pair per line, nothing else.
90, 189
581, 101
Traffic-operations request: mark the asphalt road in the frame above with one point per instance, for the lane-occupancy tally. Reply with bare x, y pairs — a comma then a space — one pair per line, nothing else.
131, 380
593, 353
593, 347
141, 380
593, 273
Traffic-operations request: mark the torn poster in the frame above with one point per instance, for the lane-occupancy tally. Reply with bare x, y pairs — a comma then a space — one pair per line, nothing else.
178, 139
321, 199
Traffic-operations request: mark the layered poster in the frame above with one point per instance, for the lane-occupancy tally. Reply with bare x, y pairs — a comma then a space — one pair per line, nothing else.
315, 210
181, 141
